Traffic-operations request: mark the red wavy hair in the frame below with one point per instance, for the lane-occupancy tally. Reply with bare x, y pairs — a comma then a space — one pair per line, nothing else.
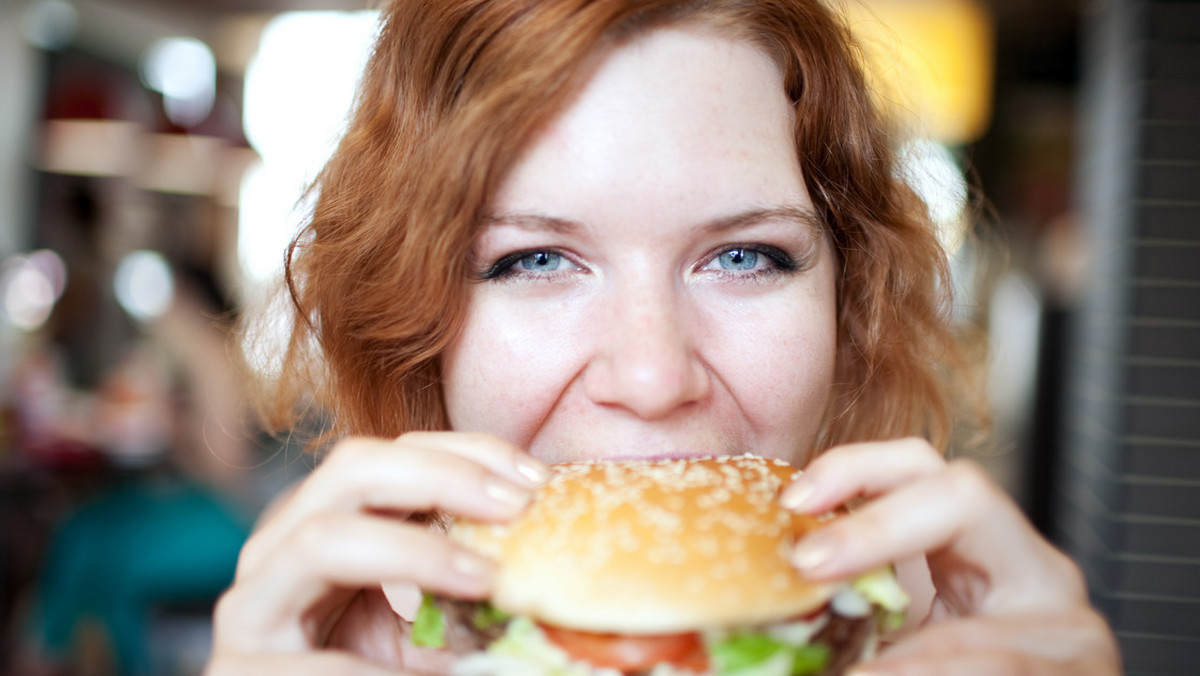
456, 89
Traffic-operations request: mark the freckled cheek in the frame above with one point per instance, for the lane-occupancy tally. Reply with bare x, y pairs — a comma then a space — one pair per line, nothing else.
507, 368
778, 363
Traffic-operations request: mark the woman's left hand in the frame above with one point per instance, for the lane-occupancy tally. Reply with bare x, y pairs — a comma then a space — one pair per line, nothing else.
1005, 600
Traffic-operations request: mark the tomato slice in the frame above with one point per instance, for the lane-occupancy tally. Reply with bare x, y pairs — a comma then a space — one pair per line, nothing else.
630, 654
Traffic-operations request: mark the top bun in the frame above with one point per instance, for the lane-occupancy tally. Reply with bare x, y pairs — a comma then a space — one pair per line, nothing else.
650, 547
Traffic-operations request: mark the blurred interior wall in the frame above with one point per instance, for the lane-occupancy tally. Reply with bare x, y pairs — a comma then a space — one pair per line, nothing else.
19, 91
1128, 503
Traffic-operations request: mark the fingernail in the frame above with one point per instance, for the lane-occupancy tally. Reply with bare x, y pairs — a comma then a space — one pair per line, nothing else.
812, 554
797, 496
471, 565
505, 493
533, 471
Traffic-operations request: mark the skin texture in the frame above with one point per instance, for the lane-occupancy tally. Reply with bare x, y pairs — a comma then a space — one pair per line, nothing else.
638, 342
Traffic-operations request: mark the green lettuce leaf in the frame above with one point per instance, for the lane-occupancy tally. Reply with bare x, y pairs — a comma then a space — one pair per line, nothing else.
810, 659
429, 629
742, 650
747, 654
486, 616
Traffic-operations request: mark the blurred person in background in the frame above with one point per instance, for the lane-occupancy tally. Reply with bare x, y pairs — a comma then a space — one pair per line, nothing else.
169, 505
566, 230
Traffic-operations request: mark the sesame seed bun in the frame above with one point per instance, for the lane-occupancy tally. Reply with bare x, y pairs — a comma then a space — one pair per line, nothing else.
652, 547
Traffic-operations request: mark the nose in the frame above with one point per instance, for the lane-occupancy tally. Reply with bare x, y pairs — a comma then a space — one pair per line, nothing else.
645, 359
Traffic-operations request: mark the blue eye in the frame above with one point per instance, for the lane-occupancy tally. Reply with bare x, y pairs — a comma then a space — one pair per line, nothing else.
540, 261
738, 259
752, 261
530, 262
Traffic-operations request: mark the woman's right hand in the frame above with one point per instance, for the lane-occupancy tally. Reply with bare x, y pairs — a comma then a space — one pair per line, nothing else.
317, 564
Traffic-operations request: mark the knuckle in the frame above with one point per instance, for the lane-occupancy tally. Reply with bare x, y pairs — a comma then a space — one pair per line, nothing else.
489, 448
1092, 624
869, 524
833, 461
410, 437
251, 557
482, 439
225, 610
1103, 648
228, 613
347, 453
923, 450
1070, 575
417, 439
219, 665
1012, 663
248, 557
314, 538
969, 482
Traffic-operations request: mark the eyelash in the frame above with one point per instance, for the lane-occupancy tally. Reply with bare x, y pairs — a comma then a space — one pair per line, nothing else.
783, 263
504, 266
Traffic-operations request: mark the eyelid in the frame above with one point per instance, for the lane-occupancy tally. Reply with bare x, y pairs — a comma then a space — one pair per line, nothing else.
504, 265
782, 260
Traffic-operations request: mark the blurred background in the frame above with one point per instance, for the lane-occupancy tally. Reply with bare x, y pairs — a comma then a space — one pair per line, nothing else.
152, 155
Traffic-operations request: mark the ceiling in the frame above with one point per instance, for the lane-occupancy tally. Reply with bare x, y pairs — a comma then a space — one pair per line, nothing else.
1036, 39
1021, 11
217, 7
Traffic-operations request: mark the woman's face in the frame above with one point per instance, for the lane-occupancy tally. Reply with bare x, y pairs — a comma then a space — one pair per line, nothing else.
652, 282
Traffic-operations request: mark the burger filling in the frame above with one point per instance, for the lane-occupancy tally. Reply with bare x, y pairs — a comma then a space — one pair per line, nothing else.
825, 642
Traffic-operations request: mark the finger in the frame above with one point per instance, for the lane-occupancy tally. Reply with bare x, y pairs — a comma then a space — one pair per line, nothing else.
407, 476
863, 469
1078, 642
309, 664
379, 475
927, 514
990, 663
267, 607
496, 454
961, 519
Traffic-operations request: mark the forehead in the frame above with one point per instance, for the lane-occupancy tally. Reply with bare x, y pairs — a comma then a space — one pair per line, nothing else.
686, 112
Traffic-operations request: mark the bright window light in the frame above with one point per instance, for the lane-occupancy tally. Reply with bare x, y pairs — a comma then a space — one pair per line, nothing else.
297, 99
933, 172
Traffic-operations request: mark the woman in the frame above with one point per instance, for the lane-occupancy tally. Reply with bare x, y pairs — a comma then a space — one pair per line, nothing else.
569, 229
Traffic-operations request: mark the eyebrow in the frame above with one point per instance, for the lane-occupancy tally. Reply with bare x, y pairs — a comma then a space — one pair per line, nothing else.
535, 222
787, 212
744, 219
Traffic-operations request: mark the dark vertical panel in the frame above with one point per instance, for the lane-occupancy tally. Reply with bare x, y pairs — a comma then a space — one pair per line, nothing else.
1128, 498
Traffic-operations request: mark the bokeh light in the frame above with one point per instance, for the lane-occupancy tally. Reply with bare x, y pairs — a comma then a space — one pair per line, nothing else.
50, 24
30, 285
144, 284
184, 71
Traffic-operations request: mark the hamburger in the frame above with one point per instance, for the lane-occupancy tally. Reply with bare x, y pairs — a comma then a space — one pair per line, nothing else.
659, 568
